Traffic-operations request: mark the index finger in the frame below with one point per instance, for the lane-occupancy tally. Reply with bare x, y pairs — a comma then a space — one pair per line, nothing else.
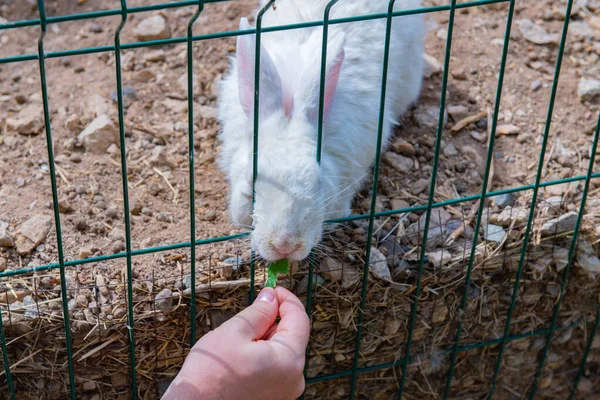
294, 326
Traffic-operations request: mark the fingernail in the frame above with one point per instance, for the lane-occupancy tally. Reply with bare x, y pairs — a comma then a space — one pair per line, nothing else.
267, 295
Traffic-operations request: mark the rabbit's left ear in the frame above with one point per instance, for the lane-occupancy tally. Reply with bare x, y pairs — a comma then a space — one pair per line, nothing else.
271, 94
335, 59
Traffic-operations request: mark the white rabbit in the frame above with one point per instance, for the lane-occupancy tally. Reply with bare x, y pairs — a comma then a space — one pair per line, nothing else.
294, 193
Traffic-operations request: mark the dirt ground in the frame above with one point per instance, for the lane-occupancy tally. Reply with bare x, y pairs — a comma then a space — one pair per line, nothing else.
81, 88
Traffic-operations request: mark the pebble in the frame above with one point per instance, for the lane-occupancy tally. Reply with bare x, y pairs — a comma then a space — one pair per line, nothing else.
164, 301
112, 213
428, 116
493, 233
439, 228
331, 268
508, 129
458, 112
209, 216
439, 258
564, 223
589, 90
119, 312
404, 148
76, 158
504, 200
154, 56
535, 33
400, 163
431, 66
152, 28
397, 204
64, 206
482, 124
536, 85
95, 27
419, 186
302, 286
85, 252
117, 246
6, 239
164, 217
509, 214
478, 136
129, 96
81, 301
81, 224
392, 251
99, 135
450, 150
2, 264
29, 121
32, 233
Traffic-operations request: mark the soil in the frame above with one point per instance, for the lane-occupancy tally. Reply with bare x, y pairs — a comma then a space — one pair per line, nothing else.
80, 88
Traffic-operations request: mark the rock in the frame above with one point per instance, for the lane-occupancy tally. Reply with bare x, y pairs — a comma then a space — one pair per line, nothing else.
85, 252
101, 285
81, 301
205, 112
450, 150
458, 112
302, 287
580, 30
478, 136
378, 265
142, 76
587, 259
2, 264
155, 55
589, 90
32, 233
183, 85
64, 206
398, 204
439, 258
88, 386
505, 200
152, 28
331, 268
508, 130
177, 106
399, 163
164, 301
439, 229
392, 251
350, 276
159, 158
419, 186
117, 247
164, 217
431, 66
117, 234
564, 223
404, 148
129, 96
493, 233
29, 121
428, 116
440, 313
81, 224
119, 313
209, 216
510, 214
6, 239
99, 135
536, 85
534, 33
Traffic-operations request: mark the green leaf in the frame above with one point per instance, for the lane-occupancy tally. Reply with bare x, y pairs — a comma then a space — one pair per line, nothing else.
278, 267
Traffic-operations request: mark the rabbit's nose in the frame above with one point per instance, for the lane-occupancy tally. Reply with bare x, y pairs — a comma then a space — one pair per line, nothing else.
285, 247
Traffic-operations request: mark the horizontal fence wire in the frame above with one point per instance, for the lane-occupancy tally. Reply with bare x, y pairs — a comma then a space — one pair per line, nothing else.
118, 47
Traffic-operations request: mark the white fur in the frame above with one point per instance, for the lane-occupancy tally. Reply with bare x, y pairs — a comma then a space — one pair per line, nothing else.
294, 194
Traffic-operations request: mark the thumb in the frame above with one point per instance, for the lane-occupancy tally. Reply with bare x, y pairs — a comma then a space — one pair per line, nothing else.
255, 321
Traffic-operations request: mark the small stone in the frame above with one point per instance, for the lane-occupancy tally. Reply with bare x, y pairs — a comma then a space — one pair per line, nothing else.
378, 265
152, 28
505, 200
450, 150
112, 213
209, 216
81, 224
350, 276
76, 158
32, 233
155, 56
564, 223
20, 99
428, 116
6, 239
164, 217
439, 258
493, 233
440, 227
119, 313
478, 136
101, 285
508, 130
589, 90
510, 214
81, 301
534, 33
117, 246
398, 204
129, 96
64, 207
404, 148
302, 287
392, 250
482, 124
85, 252
29, 121
536, 85
431, 66
164, 301
585, 385
95, 27
99, 135
137, 208
88, 386
117, 234
440, 313
458, 112
399, 163
419, 186
143, 76
332, 268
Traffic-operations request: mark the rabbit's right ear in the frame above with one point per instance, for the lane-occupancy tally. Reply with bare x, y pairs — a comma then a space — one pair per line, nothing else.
271, 95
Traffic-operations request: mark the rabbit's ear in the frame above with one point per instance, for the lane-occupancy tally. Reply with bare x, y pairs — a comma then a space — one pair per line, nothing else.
335, 59
271, 97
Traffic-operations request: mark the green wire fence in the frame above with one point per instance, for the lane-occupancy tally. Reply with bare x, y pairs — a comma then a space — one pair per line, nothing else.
431, 205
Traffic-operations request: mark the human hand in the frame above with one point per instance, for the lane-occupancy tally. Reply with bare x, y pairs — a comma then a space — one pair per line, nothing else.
249, 356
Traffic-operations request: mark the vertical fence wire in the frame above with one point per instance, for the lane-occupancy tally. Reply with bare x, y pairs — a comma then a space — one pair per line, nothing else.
130, 315
588, 348
430, 199
259, 18
7, 372
573, 247
365, 277
311, 265
190, 83
51, 167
